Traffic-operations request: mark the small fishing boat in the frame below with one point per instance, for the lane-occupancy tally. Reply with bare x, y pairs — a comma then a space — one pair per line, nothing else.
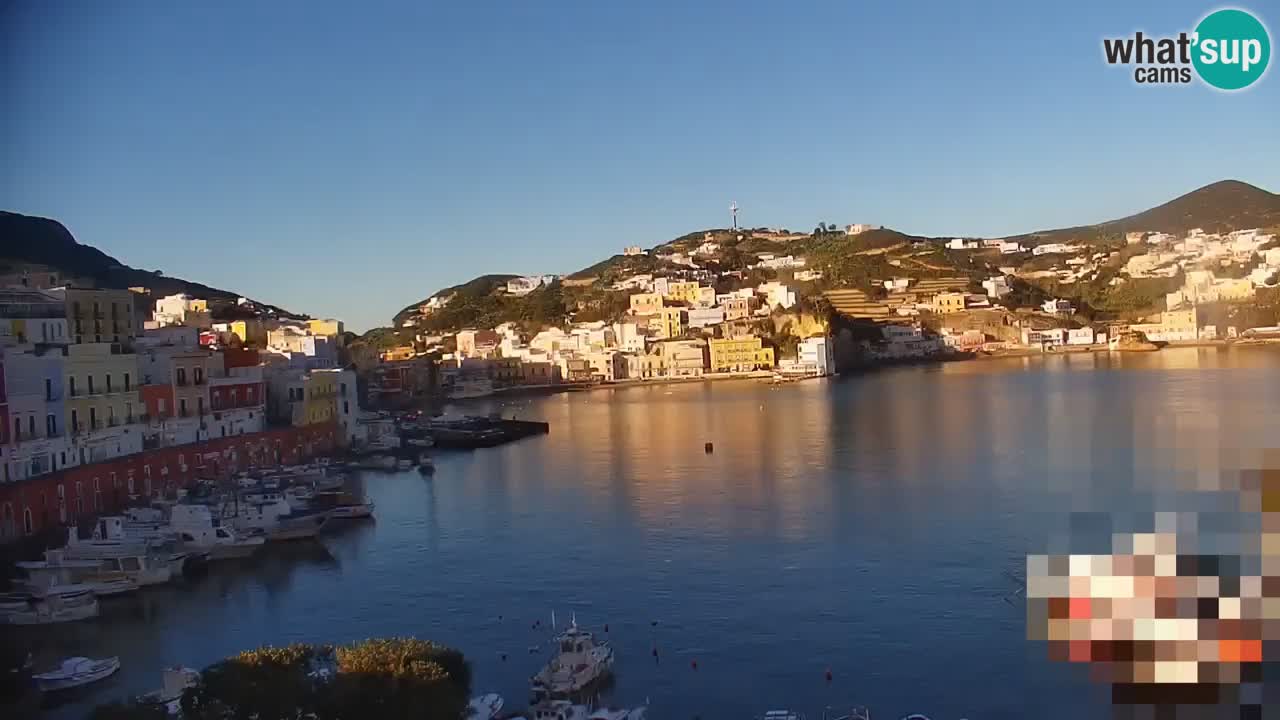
175, 681
405, 464
579, 661
426, 466
199, 532
60, 603
352, 511
782, 715
484, 707
55, 570
75, 672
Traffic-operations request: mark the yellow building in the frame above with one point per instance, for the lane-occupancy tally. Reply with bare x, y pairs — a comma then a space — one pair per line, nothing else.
320, 404
685, 292
396, 354
646, 303
100, 316
251, 332
948, 302
740, 354
670, 323
328, 327
1234, 289
102, 387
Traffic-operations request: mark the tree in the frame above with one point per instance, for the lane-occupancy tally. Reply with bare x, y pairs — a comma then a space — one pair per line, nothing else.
384, 678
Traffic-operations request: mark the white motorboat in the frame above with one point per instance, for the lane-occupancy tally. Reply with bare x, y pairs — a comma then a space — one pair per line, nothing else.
55, 570
782, 715
484, 707
198, 531
273, 518
352, 511
77, 671
175, 681
60, 603
146, 569
579, 661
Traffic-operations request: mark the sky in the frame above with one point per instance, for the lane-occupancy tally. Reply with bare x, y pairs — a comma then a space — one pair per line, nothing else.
348, 159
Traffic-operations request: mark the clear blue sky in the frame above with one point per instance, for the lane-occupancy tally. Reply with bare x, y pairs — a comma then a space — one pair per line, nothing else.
346, 160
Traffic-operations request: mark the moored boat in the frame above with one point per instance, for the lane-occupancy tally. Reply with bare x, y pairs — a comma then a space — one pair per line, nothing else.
352, 511
57, 604
579, 661
77, 671
199, 532
484, 707
175, 681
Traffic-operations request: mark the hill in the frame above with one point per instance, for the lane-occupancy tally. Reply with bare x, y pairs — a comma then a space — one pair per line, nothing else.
1221, 206
26, 240
845, 261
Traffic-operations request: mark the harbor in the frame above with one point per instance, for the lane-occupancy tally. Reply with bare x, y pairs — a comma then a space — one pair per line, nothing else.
853, 568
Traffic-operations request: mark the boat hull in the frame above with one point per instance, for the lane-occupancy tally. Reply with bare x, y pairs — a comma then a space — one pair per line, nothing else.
94, 671
237, 550
298, 528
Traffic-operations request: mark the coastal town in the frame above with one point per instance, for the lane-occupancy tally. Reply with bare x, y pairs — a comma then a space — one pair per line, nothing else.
122, 393
147, 415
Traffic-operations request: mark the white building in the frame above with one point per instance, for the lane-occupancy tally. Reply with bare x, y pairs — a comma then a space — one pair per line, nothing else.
1051, 336
859, 228
1010, 247
817, 352
633, 250
962, 244
785, 262
997, 287
527, 284
807, 275
777, 295
705, 316
1057, 307
707, 248
1080, 336
181, 309
630, 337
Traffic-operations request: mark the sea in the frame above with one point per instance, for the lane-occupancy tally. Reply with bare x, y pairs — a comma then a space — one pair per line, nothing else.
746, 546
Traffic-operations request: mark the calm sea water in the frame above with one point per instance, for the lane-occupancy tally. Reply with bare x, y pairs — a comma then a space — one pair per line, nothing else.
862, 526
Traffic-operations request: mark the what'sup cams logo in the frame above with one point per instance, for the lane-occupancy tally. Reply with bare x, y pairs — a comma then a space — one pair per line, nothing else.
1228, 50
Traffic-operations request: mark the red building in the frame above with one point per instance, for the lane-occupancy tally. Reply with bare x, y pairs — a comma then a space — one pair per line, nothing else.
158, 400
60, 498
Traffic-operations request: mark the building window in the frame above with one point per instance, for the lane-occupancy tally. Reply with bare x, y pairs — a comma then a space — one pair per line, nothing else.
17, 429
248, 393
115, 481
93, 418
51, 426
27, 526
182, 407
130, 485
199, 373
128, 412
182, 376
63, 456
71, 384
346, 408
233, 398
161, 407
108, 382
126, 382
75, 421
200, 406
31, 425
90, 380
48, 389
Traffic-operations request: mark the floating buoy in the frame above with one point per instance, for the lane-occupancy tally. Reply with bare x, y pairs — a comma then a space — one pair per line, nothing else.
828, 676
653, 623
606, 627
693, 664
708, 448
499, 618
503, 656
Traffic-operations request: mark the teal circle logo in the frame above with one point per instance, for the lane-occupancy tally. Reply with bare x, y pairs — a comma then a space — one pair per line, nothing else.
1232, 49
